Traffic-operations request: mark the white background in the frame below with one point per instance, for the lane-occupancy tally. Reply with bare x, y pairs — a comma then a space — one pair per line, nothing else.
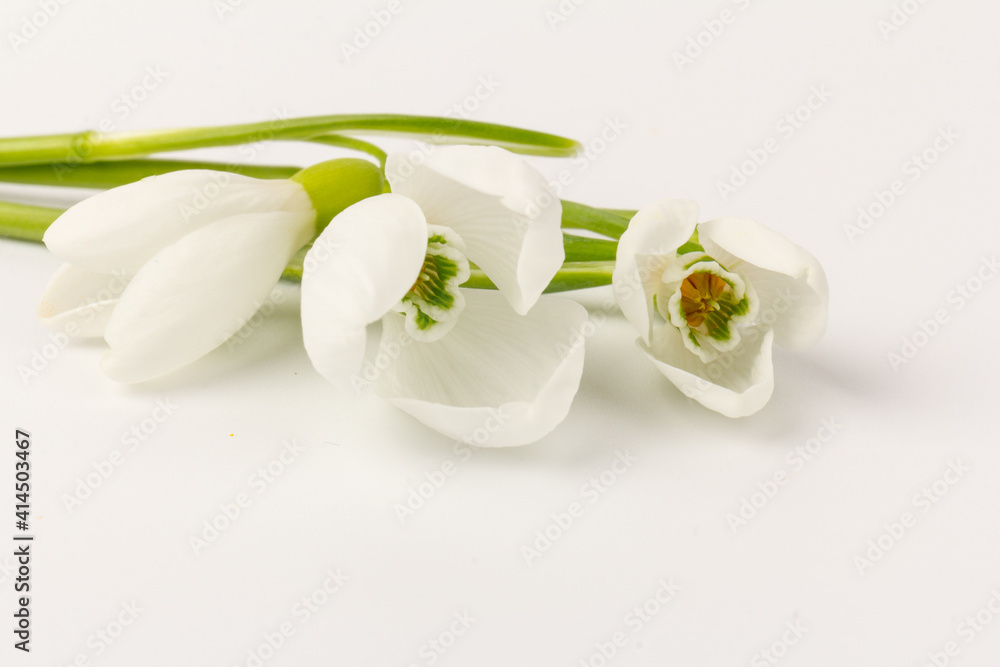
899, 430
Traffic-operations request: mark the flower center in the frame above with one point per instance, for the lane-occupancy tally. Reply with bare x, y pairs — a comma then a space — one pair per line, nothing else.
434, 302
707, 303
700, 294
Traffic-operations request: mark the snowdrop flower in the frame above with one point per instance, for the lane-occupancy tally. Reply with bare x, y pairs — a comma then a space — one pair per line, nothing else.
709, 307
486, 367
168, 268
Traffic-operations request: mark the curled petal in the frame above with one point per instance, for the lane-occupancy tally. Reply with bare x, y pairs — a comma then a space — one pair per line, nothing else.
651, 240
79, 302
121, 229
358, 269
196, 293
504, 210
497, 379
736, 384
789, 281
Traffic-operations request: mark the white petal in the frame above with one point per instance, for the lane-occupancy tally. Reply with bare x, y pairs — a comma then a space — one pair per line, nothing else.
196, 293
498, 379
119, 230
651, 240
362, 264
503, 208
737, 384
789, 281
79, 303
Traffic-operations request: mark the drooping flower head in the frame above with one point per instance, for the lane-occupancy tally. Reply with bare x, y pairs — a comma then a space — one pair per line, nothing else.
488, 367
709, 299
191, 256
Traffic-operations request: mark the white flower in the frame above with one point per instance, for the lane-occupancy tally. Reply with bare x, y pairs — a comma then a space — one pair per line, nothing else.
169, 267
491, 368
708, 314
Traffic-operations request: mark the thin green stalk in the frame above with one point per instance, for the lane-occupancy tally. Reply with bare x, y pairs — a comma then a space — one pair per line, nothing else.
572, 276
24, 222
112, 174
354, 144
581, 254
91, 146
293, 272
599, 221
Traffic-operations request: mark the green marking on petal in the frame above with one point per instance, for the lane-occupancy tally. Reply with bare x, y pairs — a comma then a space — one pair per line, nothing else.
423, 320
700, 258
709, 305
434, 302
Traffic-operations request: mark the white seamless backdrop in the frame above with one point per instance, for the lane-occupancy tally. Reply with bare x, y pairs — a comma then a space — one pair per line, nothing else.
236, 513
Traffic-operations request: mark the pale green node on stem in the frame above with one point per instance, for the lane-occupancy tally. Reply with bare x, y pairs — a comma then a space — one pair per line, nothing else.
336, 184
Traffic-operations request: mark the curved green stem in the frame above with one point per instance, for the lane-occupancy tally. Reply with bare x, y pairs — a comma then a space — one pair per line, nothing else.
111, 174
90, 146
354, 144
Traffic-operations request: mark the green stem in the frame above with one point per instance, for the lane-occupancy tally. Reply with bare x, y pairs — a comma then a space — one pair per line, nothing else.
585, 249
580, 275
92, 146
112, 174
572, 276
600, 221
589, 262
354, 144
293, 272
24, 222
627, 213
105, 175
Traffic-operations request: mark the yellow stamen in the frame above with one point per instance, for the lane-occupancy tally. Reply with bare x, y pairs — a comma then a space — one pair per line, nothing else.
700, 293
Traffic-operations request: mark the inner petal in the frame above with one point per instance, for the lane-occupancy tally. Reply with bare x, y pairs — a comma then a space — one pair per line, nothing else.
707, 304
432, 305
